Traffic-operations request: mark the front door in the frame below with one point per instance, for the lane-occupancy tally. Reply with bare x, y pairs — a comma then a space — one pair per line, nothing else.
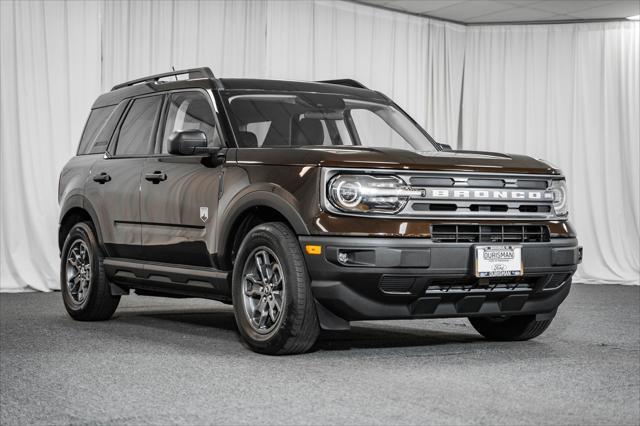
113, 187
180, 193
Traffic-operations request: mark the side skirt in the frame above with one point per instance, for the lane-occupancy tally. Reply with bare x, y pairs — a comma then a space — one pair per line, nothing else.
169, 279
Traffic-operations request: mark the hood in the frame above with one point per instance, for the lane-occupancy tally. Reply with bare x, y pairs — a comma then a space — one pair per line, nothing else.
388, 158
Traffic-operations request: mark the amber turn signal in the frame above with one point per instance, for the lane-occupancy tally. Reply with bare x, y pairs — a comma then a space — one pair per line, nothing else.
311, 249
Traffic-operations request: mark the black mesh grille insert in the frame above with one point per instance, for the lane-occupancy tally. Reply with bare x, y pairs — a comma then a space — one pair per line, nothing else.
485, 183
431, 181
534, 208
489, 233
488, 208
532, 184
435, 207
396, 283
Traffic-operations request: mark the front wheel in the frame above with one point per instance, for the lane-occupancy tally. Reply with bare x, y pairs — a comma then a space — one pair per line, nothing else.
272, 300
523, 327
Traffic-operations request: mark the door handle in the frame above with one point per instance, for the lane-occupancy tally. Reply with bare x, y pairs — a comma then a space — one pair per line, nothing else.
102, 178
156, 177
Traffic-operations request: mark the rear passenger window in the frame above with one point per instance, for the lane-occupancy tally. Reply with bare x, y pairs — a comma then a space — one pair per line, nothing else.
95, 123
136, 133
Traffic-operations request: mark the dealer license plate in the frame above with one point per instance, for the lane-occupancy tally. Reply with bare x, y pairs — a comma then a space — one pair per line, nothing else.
498, 261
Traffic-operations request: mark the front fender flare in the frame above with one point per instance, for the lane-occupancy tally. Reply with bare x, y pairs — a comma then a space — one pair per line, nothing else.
258, 198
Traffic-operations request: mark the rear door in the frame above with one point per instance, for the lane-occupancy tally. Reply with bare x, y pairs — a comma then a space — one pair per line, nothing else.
180, 193
113, 187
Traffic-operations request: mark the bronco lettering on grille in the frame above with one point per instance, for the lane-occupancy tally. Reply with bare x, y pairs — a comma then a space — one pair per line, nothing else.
483, 194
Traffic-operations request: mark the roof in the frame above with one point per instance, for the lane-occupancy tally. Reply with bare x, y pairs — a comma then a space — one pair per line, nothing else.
116, 96
341, 87
152, 84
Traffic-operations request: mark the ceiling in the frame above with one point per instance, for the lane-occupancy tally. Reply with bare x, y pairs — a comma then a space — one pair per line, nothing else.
485, 11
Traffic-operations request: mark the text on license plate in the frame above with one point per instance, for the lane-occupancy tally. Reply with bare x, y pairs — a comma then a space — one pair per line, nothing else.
498, 261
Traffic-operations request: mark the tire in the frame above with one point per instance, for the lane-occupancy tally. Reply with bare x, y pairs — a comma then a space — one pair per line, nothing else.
86, 297
281, 288
510, 328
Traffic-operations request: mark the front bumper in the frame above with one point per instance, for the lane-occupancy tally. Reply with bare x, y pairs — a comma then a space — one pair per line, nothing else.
399, 278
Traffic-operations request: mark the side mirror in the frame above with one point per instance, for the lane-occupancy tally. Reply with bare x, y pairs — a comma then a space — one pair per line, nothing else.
190, 142
445, 147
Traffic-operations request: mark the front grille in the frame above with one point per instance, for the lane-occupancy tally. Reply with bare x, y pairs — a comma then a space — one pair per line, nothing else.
453, 195
478, 195
489, 233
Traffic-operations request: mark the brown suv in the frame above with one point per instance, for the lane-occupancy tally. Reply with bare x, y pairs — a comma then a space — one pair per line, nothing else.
307, 205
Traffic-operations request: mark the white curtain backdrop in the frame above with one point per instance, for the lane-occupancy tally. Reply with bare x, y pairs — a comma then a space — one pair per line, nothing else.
569, 94
49, 76
57, 57
416, 61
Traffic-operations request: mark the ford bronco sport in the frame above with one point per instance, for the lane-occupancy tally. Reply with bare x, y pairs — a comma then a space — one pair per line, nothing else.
306, 205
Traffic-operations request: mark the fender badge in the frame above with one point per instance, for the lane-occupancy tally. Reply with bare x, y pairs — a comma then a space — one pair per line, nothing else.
204, 213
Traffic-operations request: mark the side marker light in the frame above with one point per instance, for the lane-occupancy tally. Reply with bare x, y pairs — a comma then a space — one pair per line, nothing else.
312, 249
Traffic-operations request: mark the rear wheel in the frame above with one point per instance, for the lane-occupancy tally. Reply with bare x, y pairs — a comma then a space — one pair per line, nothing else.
85, 289
272, 299
510, 328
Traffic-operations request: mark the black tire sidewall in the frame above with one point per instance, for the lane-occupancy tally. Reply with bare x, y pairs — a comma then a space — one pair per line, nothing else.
80, 231
272, 237
514, 328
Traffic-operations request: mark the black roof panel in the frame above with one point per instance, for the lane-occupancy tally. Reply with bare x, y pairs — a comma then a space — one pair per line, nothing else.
116, 96
298, 86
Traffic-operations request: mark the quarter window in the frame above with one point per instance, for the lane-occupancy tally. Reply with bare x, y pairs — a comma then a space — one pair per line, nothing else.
101, 141
95, 123
136, 134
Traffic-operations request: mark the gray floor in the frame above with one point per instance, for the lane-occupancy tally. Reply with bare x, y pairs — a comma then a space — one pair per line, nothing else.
180, 361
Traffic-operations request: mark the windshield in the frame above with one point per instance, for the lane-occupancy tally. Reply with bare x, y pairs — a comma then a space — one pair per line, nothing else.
311, 119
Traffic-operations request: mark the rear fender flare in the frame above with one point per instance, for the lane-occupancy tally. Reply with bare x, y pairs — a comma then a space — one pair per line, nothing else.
79, 201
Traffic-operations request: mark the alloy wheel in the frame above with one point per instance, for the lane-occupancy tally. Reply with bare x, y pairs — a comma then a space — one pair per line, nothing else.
78, 271
263, 289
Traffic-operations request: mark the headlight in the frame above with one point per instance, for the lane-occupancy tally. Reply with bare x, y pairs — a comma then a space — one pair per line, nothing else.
366, 193
559, 190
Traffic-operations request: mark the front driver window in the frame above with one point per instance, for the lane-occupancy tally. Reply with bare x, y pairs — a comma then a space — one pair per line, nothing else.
188, 111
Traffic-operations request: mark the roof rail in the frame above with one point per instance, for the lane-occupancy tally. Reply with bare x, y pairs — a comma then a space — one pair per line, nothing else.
345, 82
204, 72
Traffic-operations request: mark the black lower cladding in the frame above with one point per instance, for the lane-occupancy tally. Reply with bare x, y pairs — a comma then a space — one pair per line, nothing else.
167, 279
193, 253
393, 278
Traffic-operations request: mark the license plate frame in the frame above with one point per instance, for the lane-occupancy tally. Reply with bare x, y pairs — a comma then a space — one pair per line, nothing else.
498, 260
